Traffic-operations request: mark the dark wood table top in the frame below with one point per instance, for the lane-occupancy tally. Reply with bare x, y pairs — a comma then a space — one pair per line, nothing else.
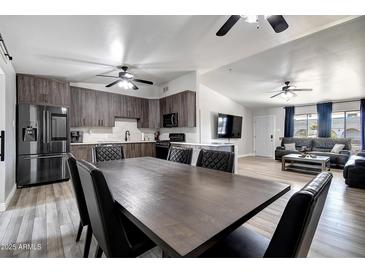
182, 208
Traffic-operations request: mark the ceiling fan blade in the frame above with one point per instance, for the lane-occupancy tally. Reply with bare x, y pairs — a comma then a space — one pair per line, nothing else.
112, 84
134, 85
101, 75
301, 89
232, 20
274, 91
276, 95
277, 22
143, 81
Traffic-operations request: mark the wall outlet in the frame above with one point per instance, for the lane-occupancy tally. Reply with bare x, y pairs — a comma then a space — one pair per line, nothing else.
165, 89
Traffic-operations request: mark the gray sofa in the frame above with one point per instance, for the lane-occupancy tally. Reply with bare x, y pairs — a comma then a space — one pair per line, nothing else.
354, 171
317, 146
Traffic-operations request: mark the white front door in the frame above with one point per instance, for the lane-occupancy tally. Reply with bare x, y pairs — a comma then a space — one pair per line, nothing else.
264, 131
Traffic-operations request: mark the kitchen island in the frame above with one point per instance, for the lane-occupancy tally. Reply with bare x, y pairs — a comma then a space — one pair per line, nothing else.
131, 149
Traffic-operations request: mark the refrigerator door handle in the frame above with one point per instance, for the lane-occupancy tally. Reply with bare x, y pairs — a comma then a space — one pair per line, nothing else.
42, 157
44, 127
48, 127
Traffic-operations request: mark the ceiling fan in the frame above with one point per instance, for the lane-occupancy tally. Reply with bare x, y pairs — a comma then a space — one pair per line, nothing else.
288, 91
125, 79
277, 22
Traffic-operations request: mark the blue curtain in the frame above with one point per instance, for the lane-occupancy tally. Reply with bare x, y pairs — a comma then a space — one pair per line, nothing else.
362, 123
324, 119
289, 121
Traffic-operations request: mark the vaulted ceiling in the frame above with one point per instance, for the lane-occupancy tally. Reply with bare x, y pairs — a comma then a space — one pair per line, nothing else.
331, 61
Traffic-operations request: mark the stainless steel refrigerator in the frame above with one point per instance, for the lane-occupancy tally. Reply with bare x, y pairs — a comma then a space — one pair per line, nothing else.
42, 144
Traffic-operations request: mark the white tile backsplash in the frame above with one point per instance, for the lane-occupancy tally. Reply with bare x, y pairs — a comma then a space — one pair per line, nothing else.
117, 132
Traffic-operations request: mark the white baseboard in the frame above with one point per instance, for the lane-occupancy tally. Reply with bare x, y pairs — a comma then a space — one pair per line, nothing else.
246, 155
4, 206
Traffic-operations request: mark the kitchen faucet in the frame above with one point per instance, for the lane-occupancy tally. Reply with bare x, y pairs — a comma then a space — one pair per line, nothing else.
126, 135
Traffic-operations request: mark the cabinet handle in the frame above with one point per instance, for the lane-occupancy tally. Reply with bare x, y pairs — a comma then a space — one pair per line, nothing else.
83, 121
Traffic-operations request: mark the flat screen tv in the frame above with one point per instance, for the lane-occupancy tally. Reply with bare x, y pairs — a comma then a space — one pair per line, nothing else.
229, 126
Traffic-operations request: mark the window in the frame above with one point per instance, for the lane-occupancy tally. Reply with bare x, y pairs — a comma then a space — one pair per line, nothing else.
346, 124
305, 125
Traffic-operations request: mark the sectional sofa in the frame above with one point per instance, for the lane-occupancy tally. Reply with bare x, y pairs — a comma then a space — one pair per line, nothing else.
318, 146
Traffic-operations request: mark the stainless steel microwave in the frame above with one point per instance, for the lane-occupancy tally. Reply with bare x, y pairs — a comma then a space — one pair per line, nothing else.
170, 120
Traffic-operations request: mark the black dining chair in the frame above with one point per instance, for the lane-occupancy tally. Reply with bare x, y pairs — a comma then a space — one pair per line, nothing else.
117, 237
293, 235
81, 204
102, 153
214, 159
180, 155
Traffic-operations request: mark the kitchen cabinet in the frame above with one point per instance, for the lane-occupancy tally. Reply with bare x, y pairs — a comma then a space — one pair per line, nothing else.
131, 150
154, 113
90, 108
143, 121
134, 150
42, 91
183, 103
104, 108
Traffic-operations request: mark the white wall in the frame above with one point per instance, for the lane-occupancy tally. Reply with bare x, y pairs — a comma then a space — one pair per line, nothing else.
7, 113
187, 81
212, 103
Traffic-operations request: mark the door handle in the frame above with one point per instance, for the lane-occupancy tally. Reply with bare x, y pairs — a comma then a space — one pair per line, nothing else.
42, 157
2, 146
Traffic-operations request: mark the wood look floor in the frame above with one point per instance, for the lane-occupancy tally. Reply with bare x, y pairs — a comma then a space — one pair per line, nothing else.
42, 221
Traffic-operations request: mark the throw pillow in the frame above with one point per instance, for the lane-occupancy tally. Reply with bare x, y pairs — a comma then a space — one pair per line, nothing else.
290, 146
337, 148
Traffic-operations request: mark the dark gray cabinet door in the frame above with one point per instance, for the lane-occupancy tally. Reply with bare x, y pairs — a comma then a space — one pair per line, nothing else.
26, 89
154, 113
88, 108
103, 113
143, 121
75, 108
42, 91
115, 105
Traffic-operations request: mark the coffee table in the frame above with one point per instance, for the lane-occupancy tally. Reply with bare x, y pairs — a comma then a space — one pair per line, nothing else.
295, 162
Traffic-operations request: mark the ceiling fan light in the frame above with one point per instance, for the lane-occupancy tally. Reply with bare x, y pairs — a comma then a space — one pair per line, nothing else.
124, 84
251, 19
128, 75
287, 95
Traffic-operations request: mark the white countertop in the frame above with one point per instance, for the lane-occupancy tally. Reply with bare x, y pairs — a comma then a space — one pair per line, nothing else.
110, 142
204, 145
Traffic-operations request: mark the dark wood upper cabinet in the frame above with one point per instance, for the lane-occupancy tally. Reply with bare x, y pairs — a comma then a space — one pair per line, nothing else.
183, 103
42, 91
154, 113
104, 112
90, 108
143, 121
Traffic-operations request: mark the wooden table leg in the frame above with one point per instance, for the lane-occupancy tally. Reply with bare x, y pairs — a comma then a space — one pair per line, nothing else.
283, 164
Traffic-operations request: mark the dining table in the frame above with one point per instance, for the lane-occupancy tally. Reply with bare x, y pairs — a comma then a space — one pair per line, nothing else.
186, 209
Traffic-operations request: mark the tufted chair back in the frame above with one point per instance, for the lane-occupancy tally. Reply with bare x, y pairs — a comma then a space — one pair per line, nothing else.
103, 153
180, 154
294, 233
218, 160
